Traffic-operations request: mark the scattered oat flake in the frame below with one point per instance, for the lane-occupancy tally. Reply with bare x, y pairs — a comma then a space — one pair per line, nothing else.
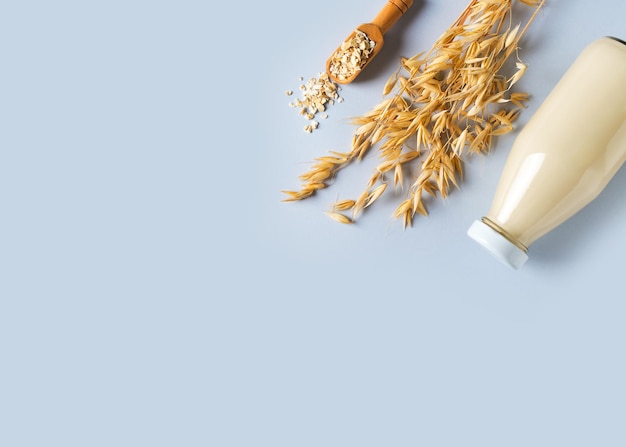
317, 94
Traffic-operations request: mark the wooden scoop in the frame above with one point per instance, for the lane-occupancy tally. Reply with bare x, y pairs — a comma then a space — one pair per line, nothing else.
386, 18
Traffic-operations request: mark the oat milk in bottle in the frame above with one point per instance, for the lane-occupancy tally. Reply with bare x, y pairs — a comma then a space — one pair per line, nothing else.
564, 156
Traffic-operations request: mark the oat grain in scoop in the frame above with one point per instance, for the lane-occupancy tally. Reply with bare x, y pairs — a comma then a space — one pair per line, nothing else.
351, 56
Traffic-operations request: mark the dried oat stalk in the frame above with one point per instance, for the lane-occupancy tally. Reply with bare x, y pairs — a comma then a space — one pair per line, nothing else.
437, 107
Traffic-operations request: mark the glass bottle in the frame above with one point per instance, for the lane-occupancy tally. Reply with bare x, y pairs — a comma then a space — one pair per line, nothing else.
563, 157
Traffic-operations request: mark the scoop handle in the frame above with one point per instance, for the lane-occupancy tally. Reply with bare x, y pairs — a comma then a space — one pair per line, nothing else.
391, 12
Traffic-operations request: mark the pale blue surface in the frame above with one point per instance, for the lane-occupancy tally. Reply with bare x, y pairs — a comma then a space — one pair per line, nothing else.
155, 291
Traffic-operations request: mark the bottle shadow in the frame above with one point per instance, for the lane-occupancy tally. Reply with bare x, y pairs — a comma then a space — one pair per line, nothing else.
572, 237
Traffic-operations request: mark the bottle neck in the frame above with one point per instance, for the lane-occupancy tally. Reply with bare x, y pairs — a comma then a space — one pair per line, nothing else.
501, 231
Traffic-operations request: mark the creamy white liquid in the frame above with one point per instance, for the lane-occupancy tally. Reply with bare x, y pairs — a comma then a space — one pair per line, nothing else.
569, 150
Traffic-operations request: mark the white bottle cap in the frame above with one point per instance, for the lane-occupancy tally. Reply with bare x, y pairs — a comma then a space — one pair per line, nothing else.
498, 245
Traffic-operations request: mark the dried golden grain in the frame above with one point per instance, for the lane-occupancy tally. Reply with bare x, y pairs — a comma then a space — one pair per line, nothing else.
398, 176
375, 194
521, 70
375, 178
359, 204
408, 156
341, 218
343, 205
297, 195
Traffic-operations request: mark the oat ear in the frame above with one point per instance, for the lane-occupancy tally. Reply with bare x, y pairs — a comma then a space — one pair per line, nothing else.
440, 105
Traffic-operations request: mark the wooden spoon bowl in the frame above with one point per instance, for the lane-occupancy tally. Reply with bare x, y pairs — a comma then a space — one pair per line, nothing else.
375, 30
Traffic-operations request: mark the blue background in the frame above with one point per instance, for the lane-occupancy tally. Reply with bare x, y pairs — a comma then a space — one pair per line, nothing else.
155, 291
